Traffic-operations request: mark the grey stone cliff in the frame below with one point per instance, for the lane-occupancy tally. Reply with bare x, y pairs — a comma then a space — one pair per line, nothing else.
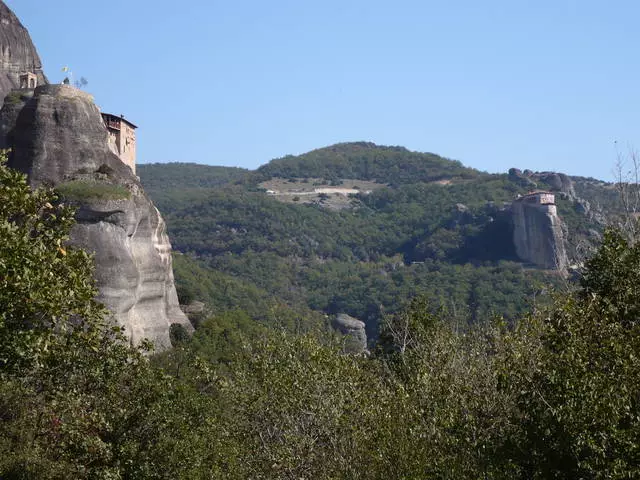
354, 330
17, 52
58, 138
538, 234
557, 182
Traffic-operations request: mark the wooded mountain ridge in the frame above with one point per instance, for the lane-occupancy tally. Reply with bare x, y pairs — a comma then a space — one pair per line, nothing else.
433, 227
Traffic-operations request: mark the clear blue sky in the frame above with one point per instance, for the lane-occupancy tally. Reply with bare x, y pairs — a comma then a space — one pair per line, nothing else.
539, 84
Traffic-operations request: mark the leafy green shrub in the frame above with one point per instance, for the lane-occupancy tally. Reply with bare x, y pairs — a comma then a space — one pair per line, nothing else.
82, 190
178, 334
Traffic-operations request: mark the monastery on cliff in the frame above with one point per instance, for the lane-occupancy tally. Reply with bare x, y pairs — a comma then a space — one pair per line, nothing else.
122, 133
122, 138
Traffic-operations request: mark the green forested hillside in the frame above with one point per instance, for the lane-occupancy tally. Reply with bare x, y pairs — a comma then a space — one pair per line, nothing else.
450, 240
188, 175
227, 293
367, 161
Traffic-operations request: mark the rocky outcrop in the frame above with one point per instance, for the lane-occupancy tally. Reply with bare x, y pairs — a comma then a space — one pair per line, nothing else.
556, 182
17, 52
354, 331
56, 133
195, 311
58, 138
538, 232
517, 176
559, 182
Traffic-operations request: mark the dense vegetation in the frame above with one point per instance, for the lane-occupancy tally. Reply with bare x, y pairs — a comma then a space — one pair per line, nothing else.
450, 239
367, 161
555, 396
188, 175
226, 293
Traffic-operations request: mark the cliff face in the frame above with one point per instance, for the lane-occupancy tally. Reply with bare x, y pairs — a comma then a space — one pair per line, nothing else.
58, 137
17, 52
538, 235
354, 331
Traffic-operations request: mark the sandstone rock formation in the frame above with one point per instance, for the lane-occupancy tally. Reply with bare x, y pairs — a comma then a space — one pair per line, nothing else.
538, 231
556, 182
559, 182
195, 311
354, 330
58, 138
17, 52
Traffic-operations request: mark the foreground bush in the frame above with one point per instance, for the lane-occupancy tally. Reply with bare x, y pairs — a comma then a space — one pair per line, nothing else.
75, 400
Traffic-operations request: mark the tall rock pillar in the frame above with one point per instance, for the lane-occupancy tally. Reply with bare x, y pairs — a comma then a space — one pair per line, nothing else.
58, 138
537, 231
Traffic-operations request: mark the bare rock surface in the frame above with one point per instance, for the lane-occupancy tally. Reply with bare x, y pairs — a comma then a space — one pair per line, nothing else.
354, 330
557, 182
538, 235
58, 138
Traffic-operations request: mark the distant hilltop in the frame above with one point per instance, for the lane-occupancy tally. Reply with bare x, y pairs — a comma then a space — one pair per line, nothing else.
546, 220
367, 161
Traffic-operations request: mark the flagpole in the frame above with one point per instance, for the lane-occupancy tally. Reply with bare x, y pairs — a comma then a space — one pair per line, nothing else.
69, 73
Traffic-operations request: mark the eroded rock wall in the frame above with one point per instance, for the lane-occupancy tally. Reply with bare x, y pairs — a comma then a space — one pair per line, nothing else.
555, 181
538, 235
354, 331
58, 138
